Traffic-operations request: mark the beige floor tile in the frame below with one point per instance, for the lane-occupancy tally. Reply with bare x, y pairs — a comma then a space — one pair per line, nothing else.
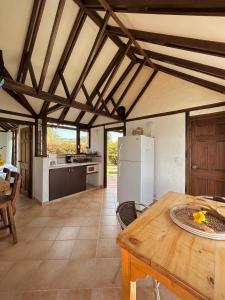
68, 233
88, 233
108, 232
48, 233
11, 295
77, 274
28, 233
39, 222
40, 295
38, 249
108, 248
48, 275
13, 252
82, 221
84, 249
56, 222
109, 220
106, 272
106, 294
60, 250
81, 294
17, 278
108, 212
5, 266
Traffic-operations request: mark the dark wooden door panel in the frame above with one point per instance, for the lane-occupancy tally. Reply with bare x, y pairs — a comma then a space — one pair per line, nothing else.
25, 160
207, 158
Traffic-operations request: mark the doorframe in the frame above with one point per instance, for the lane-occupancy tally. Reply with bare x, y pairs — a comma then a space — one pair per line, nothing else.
30, 191
188, 153
106, 130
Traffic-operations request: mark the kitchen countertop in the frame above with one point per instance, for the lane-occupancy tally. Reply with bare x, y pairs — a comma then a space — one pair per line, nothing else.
69, 165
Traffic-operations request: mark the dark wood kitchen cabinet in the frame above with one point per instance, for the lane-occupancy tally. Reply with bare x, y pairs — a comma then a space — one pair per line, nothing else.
66, 181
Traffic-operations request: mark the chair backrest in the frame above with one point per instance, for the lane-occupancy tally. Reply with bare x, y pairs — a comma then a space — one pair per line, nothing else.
126, 213
15, 189
7, 172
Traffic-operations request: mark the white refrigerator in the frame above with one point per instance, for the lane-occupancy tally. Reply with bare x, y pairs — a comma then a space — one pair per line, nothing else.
135, 169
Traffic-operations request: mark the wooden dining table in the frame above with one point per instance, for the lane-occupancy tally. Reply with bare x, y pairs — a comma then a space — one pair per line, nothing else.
192, 267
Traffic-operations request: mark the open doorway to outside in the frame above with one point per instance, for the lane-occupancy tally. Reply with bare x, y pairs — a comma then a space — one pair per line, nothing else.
111, 155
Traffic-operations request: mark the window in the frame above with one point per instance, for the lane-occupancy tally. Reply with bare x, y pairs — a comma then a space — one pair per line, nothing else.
61, 140
84, 141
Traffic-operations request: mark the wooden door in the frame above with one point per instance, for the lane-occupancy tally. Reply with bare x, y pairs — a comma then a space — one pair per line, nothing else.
207, 159
25, 160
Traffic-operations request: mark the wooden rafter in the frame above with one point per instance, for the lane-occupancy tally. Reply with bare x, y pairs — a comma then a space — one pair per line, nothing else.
127, 32
114, 89
92, 56
184, 43
101, 81
19, 97
51, 43
3, 111
152, 76
98, 21
130, 83
28, 38
112, 75
171, 7
32, 35
205, 83
27, 90
71, 41
32, 75
191, 65
53, 108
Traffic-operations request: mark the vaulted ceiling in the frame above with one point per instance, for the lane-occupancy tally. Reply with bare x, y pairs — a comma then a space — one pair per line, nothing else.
73, 60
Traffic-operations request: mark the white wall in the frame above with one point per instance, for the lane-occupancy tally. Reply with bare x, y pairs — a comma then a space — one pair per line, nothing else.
97, 144
169, 134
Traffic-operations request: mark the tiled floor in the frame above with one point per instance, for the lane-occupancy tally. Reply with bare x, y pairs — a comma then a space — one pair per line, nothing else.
66, 250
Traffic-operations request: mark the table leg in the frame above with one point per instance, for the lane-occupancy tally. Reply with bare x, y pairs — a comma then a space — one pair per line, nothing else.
128, 287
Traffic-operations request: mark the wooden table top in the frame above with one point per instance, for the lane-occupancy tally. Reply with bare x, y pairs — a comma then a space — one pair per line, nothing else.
193, 261
4, 185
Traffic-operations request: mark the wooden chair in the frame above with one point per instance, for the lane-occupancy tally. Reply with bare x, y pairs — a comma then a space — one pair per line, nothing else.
8, 174
8, 204
126, 213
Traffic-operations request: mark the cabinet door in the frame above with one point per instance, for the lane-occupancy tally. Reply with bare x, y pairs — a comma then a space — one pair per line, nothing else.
58, 183
77, 179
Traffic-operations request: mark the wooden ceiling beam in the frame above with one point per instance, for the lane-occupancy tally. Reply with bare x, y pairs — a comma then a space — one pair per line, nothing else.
54, 108
16, 121
3, 125
14, 113
98, 21
127, 32
71, 41
112, 75
32, 75
196, 80
183, 43
92, 56
28, 38
27, 90
19, 97
168, 7
51, 43
130, 83
114, 89
191, 65
70, 123
32, 40
152, 76
102, 80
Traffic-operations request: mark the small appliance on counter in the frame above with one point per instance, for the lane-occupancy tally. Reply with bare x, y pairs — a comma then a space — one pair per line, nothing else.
69, 159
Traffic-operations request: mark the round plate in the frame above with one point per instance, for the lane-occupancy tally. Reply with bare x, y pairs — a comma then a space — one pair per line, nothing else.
214, 236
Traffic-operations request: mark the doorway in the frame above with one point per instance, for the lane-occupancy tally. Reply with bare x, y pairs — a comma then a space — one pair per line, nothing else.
111, 155
25, 161
206, 155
